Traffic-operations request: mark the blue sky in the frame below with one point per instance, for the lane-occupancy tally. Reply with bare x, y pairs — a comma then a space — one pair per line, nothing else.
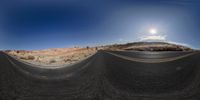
33, 25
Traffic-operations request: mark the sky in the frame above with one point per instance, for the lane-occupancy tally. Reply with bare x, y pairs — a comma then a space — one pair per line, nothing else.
42, 24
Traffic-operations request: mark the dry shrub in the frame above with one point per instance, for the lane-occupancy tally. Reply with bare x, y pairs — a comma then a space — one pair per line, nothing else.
67, 60
31, 57
52, 61
27, 57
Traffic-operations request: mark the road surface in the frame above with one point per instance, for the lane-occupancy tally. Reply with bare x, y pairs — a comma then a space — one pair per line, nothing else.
116, 75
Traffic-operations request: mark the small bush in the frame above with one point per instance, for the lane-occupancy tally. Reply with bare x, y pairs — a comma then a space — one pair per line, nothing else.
52, 61
31, 57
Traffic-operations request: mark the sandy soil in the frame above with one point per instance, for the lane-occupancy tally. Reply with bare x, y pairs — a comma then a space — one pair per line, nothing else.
53, 57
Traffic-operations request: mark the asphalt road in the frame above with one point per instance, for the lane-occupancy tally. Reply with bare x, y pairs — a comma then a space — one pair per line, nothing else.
105, 76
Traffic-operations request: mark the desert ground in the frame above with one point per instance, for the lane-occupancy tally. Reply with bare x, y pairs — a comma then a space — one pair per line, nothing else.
66, 56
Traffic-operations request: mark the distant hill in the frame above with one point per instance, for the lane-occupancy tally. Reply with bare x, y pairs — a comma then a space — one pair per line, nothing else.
149, 46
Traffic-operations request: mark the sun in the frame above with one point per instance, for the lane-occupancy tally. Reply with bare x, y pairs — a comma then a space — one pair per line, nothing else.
153, 35
153, 31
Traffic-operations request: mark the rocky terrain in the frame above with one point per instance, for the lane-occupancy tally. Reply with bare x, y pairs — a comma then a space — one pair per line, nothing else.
62, 56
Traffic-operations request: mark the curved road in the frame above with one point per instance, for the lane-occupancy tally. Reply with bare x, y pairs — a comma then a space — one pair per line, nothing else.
106, 75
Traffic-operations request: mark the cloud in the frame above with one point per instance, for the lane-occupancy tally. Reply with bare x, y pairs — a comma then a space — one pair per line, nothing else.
153, 38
